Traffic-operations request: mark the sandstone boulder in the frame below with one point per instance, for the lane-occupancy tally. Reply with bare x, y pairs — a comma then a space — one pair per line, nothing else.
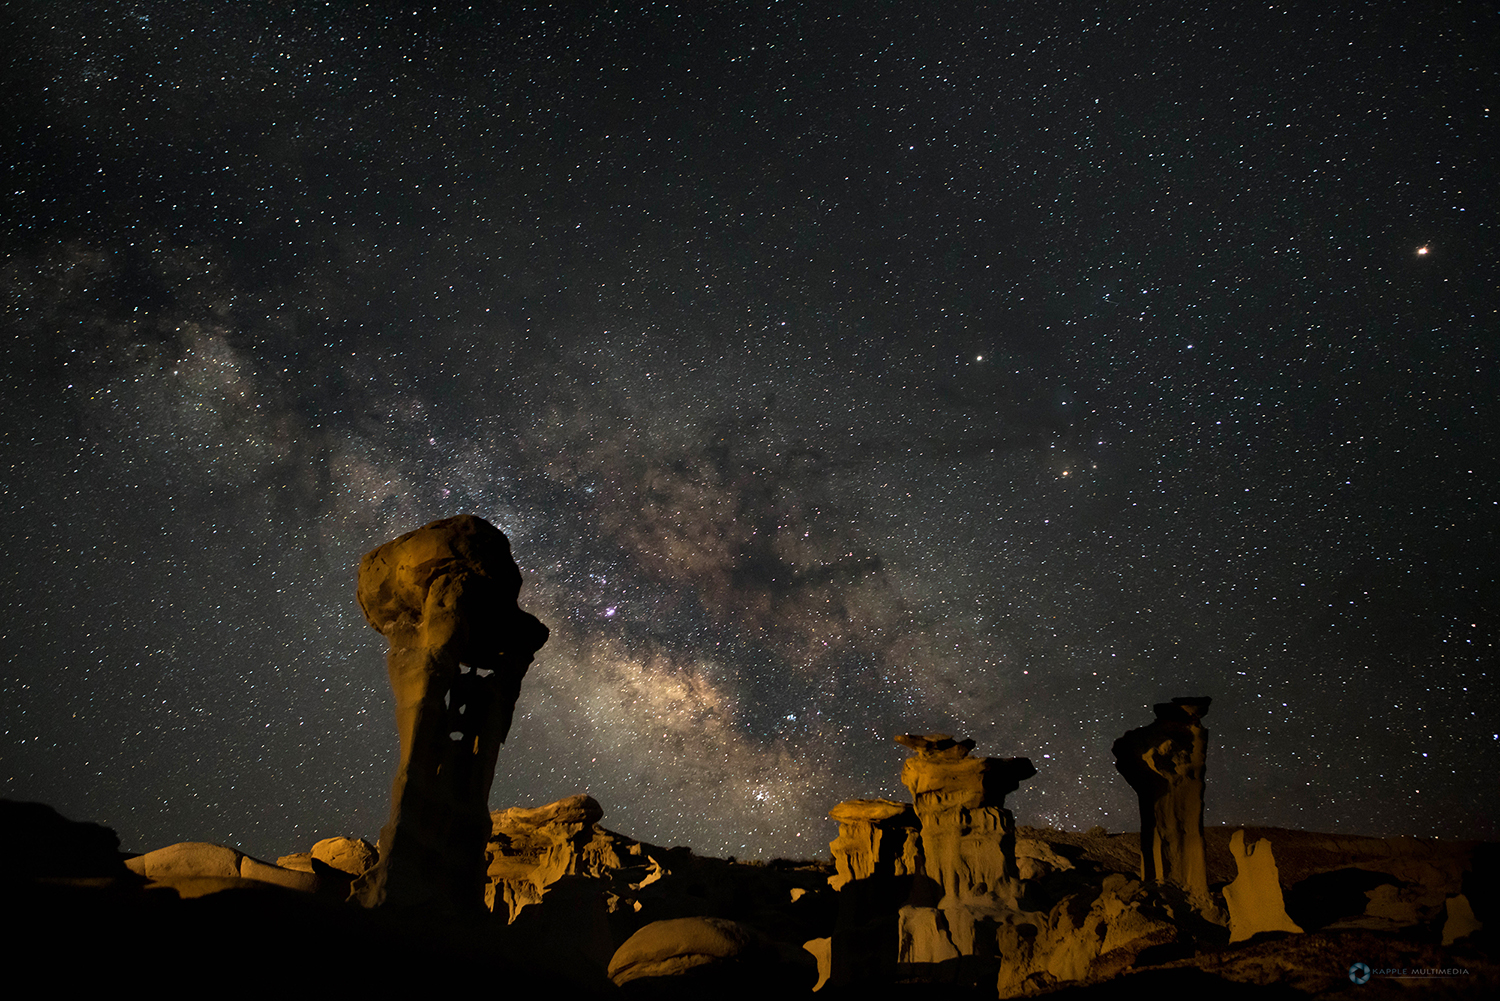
710, 955
354, 856
189, 858
444, 597
1036, 859
200, 860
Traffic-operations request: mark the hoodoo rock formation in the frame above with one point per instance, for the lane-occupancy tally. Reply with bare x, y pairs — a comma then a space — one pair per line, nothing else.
968, 837
876, 856
444, 597
940, 891
1163, 762
876, 837
968, 881
971, 916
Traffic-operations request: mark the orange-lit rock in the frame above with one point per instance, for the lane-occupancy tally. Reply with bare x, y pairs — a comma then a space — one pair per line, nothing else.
968, 837
1088, 936
968, 879
1459, 920
1164, 762
1254, 898
354, 856
717, 956
191, 860
876, 837
531, 849
444, 597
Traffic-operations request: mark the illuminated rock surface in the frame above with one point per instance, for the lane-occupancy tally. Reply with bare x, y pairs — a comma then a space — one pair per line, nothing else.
444, 597
198, 859
876, 837
1254, 898
1084, 919
968, 878
350, 856
354, 856
532, 849
707, 956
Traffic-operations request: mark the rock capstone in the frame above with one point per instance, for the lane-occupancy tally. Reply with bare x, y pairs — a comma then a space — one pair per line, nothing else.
968, 837
444, 597
532, 848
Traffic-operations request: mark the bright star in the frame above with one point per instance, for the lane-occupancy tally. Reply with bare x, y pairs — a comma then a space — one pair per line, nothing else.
1422, 251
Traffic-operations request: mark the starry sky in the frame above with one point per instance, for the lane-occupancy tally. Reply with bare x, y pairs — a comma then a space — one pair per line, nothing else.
837, 370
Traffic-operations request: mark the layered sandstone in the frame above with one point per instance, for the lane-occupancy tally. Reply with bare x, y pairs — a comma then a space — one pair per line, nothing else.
968, 837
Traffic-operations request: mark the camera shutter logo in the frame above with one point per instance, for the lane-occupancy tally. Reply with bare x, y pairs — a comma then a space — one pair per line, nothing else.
1359, 973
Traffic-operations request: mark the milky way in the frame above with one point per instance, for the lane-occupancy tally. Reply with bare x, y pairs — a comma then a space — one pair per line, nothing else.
834, 376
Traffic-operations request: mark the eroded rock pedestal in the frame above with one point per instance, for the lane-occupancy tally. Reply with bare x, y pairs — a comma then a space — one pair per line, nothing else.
444, 597
1163, 762
1254, 898
876, 857
968, 880
877, 837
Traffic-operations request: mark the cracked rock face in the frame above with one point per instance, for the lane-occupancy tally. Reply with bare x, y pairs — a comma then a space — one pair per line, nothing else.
444, 597
1163, 762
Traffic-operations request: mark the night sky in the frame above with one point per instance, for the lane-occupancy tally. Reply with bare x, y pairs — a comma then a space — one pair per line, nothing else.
836, 370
